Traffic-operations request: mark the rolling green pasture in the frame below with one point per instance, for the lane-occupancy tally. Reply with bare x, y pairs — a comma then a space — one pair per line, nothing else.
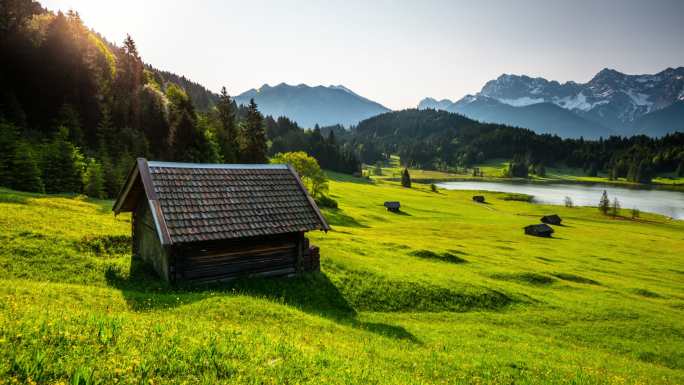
447, 291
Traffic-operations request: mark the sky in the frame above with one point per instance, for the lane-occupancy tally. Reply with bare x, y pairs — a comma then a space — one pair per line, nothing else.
392, 52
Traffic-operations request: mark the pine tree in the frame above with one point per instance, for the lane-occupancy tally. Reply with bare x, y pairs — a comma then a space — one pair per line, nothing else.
643, 174
253, 136
112, 183
405, 178
188, 141
93, 180
227, 135
105, 132
604, 203
615, 208
62, 165
25, 170
633, 172
593, 170
378, 168
68, 117
8, 142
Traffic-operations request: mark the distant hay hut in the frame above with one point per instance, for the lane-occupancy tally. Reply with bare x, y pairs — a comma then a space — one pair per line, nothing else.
392, 206
540, 230
479, 198
551, 219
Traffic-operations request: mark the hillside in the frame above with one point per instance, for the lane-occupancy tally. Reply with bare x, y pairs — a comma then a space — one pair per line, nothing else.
661, 122
542, 118
440, 140
450, 291
308, 106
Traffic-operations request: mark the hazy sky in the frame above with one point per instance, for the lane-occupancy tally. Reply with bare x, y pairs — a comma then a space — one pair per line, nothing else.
393, 52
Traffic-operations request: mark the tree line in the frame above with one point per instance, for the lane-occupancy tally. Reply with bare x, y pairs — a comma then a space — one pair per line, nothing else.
76, 110
431, 139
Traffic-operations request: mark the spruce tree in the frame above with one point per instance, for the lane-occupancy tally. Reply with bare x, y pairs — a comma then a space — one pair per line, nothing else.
593, 170
25, 170
227, 135
615, 208
604, 203
405, 178
62, 165
643, 174
253, 136
8, 142
93, 180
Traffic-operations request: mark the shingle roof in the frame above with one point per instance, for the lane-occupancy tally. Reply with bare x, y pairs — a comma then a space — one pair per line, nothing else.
205, 202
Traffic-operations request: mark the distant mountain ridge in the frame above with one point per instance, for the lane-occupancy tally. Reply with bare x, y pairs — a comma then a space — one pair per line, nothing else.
611, 102
309, 106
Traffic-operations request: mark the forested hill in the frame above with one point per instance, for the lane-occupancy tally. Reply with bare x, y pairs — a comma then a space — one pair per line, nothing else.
76, 110
201, 97
433, 139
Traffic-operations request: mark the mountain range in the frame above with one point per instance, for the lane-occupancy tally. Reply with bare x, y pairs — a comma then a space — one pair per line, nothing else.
309, 106
611, 103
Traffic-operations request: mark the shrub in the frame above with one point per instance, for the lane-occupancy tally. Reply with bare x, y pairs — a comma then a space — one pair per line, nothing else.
517, 197
517, 169
326, 201
568, 202
615, 208
433, 187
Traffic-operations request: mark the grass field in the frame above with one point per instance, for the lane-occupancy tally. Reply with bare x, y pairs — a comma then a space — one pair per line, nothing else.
448, 291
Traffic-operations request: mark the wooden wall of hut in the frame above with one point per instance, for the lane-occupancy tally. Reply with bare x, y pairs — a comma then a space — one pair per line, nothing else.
222, 260
146, 244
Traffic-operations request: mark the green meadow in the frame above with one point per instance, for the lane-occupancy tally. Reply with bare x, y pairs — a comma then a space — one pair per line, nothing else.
494, 170
448, 292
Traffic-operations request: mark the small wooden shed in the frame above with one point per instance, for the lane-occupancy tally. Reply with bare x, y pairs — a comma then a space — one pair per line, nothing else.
393, 206
539, 230
552, 219
210, 222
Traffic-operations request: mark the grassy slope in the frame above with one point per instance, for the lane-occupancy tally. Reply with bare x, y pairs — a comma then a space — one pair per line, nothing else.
602, 302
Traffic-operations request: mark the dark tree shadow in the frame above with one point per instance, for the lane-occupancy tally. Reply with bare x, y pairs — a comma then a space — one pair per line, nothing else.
400, 212
337, 217
339, 177
313, 293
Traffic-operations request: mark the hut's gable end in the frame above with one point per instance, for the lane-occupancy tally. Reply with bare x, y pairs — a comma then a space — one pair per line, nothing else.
147, 245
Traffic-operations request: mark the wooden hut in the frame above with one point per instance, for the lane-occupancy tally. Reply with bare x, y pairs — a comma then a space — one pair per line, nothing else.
540, 230
209, 222
393, 206
551, 219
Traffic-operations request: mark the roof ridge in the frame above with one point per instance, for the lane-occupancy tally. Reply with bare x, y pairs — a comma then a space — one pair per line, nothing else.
244, 166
